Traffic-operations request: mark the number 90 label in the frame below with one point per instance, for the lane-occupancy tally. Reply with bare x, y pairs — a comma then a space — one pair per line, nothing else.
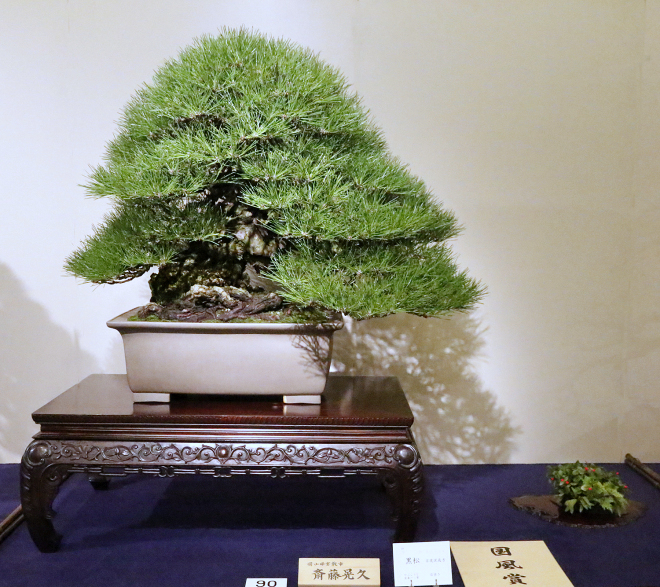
265, 583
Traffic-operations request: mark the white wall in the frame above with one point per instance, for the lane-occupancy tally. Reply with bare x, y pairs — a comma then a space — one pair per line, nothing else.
537, 122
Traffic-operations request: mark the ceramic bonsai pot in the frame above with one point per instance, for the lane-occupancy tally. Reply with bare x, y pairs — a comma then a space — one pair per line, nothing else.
256, 358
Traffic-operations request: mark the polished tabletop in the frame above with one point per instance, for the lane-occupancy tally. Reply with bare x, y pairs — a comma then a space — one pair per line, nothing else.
346, 401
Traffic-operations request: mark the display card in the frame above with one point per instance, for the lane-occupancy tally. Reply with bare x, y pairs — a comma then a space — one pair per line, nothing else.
340, 572
421, 563
505, 563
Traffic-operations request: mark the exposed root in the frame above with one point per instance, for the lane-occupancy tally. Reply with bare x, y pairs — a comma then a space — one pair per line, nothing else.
222, 307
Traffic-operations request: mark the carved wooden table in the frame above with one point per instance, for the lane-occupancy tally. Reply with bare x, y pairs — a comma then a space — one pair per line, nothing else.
361, 427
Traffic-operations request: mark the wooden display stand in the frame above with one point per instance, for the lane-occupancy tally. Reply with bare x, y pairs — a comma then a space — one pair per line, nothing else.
97, 427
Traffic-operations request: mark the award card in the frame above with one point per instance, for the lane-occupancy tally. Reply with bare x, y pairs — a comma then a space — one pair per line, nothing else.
505, 563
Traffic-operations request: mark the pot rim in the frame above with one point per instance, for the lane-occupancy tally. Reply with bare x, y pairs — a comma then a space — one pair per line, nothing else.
124, 325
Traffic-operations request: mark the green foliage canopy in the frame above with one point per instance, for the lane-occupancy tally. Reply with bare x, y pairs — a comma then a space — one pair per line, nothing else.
271, 123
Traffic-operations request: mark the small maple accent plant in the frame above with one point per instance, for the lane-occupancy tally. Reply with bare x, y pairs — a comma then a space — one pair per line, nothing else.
588, 488
254, 182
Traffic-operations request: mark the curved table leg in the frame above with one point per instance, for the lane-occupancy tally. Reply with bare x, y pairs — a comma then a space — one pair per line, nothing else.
404, 484
40, 481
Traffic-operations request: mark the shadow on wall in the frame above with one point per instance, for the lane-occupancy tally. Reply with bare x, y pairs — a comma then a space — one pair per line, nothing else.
456, 420
38, 360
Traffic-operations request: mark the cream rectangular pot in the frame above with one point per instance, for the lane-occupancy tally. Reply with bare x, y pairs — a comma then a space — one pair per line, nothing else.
263, 358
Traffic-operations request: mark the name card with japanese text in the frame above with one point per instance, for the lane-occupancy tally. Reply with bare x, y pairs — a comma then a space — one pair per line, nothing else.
506, 563
421, 563
339, 572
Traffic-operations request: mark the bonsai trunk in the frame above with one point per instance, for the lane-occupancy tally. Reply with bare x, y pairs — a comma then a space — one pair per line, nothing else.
219, 280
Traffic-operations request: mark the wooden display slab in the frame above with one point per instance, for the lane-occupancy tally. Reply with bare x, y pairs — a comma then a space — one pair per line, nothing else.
362, 427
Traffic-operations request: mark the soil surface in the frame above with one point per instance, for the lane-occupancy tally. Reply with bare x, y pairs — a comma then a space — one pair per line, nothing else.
253, 306
225, 304
547, 508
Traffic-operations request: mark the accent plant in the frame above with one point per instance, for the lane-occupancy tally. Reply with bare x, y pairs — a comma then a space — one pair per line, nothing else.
255, 182
588, 488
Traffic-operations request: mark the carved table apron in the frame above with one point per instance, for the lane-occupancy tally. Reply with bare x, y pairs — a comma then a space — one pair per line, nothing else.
361, 427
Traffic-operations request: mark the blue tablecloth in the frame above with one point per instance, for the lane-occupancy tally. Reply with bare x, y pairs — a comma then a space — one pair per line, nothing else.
200, 531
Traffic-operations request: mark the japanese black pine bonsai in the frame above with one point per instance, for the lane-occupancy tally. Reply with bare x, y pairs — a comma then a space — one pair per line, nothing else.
254, 180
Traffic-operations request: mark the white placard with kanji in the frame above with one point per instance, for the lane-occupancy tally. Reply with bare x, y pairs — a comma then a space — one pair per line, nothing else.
422, 563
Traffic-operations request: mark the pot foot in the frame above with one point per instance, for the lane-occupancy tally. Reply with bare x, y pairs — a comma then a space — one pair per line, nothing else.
302, 399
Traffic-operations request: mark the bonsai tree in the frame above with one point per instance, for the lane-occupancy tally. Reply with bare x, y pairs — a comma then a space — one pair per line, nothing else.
255, 182
586, 487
